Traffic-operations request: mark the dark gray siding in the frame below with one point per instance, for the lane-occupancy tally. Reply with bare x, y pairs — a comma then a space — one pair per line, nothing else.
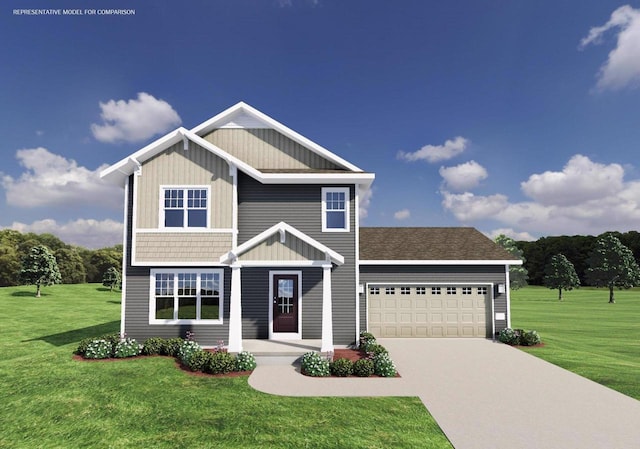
261, 206
445, 274
137, 298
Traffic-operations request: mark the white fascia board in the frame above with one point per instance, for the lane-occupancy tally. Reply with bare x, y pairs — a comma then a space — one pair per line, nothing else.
317, 178
278, 228
440, 262
212, 123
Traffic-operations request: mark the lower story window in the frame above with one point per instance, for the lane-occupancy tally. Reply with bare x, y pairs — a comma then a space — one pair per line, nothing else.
186, 296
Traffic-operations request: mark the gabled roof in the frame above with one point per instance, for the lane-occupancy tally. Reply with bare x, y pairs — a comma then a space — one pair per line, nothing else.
431, 245
281, 228
243, 113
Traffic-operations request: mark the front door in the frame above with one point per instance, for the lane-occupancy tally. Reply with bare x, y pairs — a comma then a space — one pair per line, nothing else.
285, 303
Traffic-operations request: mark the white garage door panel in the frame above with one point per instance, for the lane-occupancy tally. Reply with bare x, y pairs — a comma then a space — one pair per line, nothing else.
423, 312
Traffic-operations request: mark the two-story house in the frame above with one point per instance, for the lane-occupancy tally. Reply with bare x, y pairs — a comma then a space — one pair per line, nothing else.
241, 228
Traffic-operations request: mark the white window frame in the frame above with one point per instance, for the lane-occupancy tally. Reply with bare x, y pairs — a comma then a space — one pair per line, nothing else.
185, 189
175, 272
346, 192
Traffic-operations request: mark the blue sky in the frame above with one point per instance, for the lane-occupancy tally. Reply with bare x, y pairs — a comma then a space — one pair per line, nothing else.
517, 117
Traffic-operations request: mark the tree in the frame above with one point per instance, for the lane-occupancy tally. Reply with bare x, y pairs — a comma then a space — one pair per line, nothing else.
112, 278
517, 273
9, 266
70, 265
560, 274
39, 268
612, 264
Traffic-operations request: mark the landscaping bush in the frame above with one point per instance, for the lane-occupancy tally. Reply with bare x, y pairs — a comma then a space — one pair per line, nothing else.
128, 347
113, 339
365, 337
383, 365
98, 349
341, 367
245, 361
363, 368
196, 360
187, 349
82, 346
313, 364
509, 336
219, 363
171, 346
153, 346
530, 338
374, 349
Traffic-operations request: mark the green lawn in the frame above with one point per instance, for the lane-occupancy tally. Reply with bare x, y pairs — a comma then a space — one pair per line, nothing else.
584, 333
52, 401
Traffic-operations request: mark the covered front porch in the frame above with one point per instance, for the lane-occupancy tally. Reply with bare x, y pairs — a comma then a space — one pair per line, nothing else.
281, 348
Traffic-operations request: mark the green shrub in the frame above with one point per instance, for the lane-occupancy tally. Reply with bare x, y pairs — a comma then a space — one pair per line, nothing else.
245, 361
82, 346
196, 360
186, 350
313, 364
363, 368
530, 338
365, 337
509, 336
219, 363
127, 348
341, 367
375, 349
153, 346
98, 349
171, 346
113, 338
383, 365
84, 343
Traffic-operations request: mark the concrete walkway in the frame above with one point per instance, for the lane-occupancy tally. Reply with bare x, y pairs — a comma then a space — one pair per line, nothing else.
485, 395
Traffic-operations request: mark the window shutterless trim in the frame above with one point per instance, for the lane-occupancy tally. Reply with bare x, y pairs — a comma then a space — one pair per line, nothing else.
185, 209
347, 193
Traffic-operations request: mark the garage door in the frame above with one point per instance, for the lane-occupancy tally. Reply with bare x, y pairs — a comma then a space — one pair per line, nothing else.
429, 310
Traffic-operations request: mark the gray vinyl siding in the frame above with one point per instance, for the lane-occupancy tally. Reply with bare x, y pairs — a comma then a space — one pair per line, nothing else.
443, 274
137, 299
261, 206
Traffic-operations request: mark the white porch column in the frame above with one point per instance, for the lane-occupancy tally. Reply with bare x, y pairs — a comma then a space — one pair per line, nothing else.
327, 318
235, 311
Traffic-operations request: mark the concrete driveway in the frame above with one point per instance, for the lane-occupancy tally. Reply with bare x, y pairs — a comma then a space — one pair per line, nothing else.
485, 395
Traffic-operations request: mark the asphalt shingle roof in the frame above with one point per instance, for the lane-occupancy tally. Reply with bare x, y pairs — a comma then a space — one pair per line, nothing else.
451, 243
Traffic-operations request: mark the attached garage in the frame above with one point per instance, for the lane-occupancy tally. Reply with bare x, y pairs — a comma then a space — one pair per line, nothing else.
427, 310
432, 283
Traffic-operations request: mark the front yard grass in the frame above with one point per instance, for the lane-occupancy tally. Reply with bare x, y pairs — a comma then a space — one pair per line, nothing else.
584, 333
52, 401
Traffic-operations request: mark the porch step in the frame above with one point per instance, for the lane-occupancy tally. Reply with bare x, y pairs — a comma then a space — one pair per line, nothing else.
288, 348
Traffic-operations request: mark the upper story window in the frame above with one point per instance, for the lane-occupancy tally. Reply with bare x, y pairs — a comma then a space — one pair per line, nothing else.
185, 207
335, 209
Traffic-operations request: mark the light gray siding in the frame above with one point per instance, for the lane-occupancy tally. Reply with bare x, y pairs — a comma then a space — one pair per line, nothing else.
192, 247
442, 274
261, 206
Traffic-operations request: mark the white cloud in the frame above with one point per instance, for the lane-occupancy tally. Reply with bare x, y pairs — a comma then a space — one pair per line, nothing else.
402, 214
578, 208
622, 68
509, 232
52, 180
364, 200
435, 153
135, 120
464, 176
580, 180
88, 233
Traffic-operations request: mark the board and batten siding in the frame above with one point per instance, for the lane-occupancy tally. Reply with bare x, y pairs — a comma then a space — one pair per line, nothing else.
292, 249
267, 149
443, 275
137, 300
261, 206
178, 167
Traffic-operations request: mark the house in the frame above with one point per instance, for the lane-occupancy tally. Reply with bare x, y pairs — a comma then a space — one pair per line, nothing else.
241, 228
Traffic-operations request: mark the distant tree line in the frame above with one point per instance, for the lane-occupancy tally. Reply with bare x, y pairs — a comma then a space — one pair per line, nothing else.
577, 249
76, 264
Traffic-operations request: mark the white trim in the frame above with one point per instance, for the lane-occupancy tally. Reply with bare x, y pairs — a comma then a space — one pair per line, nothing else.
356, 211
185, 188
441, 262
175, 271
327, 310
235, 310
285, 335
347, 217
281, 263
233, 171
123, 283
185, 230
134, 221
242, 107
507, 287
232, 255
182, 264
